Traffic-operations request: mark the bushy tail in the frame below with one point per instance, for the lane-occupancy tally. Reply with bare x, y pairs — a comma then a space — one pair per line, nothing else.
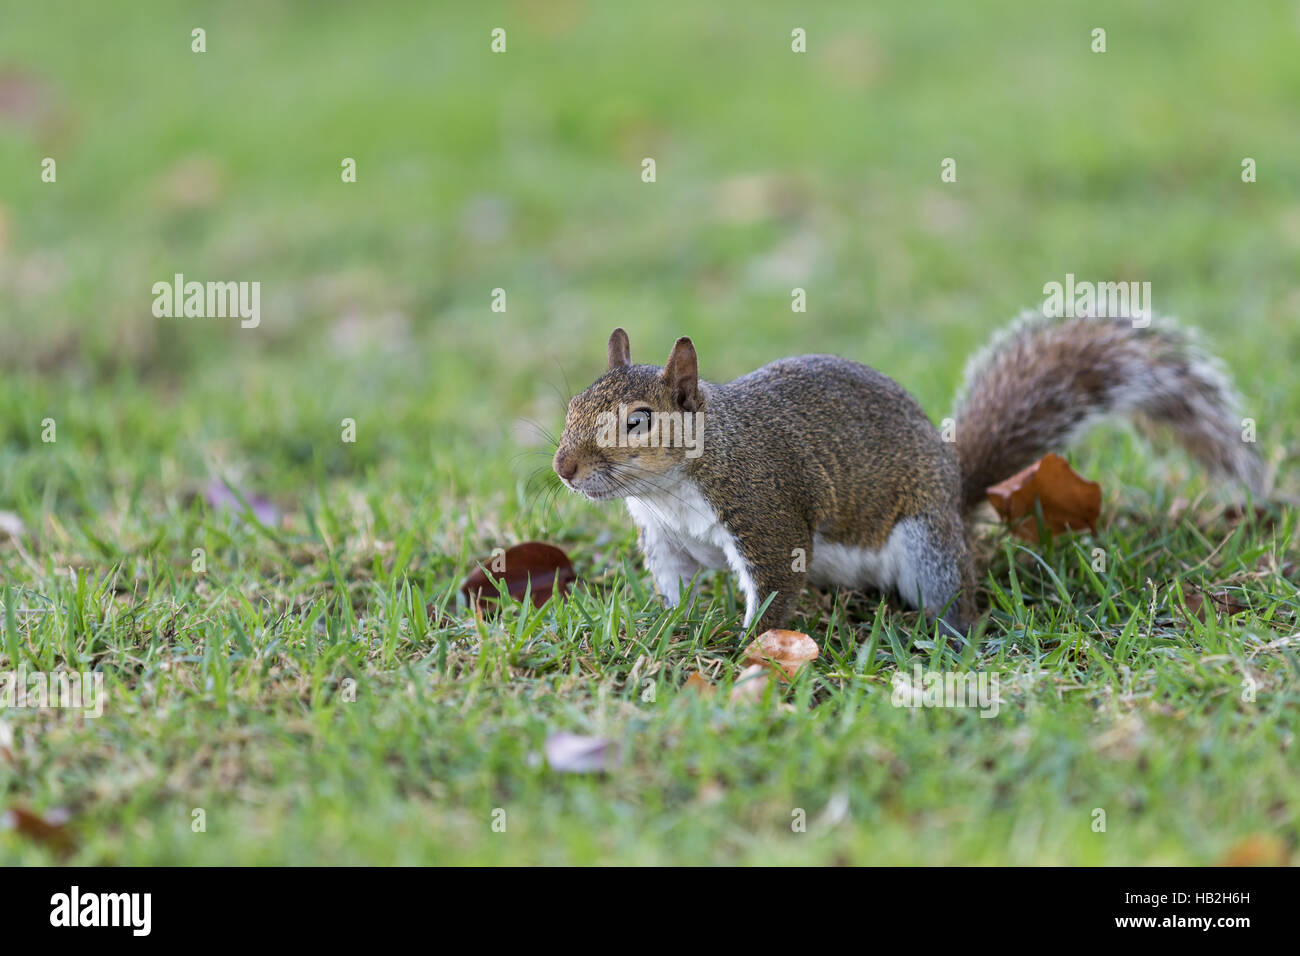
1043, 381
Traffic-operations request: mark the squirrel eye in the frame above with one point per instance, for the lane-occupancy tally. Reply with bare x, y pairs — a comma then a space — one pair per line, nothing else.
638, 421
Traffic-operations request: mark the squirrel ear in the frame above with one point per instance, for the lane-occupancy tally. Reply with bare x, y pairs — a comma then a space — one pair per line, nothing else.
620, 350
682, 375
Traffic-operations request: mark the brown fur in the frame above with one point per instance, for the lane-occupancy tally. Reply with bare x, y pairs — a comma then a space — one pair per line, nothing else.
1044, 381
819, 447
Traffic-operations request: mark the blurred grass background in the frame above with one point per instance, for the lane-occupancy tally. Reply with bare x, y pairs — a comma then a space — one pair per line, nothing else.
522, 171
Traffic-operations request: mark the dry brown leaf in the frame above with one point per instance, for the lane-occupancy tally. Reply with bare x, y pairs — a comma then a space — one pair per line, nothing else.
1258, 849
750, 684
784, 651
1223, 603
544, 566
1069, 502
698, 682
50, 830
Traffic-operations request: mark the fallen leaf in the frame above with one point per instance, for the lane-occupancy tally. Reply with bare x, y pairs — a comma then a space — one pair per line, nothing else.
1223, 603
50, 830
1069, 502
750, 684
1228, 605
787, 650
221, 497
698, 682
1258, 849
543, 567
575, 753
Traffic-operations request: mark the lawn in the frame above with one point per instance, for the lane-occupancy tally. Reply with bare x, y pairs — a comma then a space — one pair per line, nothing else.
305, 673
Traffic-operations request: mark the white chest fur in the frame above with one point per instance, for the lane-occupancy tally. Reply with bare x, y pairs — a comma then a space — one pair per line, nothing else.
680, 515
681, 534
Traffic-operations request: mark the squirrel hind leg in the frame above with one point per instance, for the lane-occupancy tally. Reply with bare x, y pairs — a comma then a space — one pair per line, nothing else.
935, 572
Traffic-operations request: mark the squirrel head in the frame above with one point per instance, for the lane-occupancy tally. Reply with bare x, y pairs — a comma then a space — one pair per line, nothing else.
635, 424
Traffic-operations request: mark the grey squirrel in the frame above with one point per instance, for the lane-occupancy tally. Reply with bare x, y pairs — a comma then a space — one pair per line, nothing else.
819, 468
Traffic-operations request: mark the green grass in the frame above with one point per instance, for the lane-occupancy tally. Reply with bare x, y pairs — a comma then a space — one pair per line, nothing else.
226, 689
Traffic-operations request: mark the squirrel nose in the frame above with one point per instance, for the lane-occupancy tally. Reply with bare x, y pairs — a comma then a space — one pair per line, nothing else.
566, 469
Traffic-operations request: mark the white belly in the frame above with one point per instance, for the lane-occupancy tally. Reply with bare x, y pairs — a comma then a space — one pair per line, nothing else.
848, 566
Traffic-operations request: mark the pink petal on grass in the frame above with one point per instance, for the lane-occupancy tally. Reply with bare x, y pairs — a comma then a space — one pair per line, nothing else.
575, 753
220, 497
